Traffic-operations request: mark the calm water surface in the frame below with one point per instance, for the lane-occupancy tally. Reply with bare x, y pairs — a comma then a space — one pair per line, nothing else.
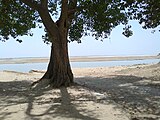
43, 66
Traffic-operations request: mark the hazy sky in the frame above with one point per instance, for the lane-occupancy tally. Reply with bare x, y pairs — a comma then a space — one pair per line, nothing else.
143, 42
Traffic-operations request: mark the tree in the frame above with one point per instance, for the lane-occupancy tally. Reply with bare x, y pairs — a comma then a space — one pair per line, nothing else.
69, 20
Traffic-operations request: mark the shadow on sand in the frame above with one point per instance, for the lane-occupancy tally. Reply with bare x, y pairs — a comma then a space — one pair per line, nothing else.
130, 93
139, 96
54, 104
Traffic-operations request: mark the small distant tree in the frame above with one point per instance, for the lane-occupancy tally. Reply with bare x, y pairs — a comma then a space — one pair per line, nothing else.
69, 20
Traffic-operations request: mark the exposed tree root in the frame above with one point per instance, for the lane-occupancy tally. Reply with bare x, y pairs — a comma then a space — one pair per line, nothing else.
54, 83
40, 84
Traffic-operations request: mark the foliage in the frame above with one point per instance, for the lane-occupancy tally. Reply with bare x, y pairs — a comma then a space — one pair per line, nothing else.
92, 17
16, 19
98, 17
146, 11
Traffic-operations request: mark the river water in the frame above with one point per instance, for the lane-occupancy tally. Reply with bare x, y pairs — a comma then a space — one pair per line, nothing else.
43, 66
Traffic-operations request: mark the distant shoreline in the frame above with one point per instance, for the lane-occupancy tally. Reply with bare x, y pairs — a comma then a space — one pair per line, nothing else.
75, 59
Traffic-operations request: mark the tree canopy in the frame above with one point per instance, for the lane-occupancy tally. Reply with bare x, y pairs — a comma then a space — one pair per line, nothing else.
92, 17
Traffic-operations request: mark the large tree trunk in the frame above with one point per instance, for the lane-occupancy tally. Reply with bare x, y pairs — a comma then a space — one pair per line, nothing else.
59, 71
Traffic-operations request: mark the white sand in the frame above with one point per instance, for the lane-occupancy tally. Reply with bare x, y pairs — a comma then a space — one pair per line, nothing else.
109, 93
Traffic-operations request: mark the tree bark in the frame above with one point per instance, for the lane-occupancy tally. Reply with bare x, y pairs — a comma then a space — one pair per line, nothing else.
59, 71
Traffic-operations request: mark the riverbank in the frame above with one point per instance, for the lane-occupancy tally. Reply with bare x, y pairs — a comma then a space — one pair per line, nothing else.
103, 93
75, 59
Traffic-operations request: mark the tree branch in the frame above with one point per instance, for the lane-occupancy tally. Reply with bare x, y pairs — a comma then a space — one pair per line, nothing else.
72, 9
72, 4
49, 24
44, 3
64, 11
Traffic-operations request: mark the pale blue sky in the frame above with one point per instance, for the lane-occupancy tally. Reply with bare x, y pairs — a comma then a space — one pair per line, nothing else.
143, 42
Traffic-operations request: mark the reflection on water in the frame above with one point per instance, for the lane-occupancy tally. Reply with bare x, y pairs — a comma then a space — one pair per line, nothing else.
43, 66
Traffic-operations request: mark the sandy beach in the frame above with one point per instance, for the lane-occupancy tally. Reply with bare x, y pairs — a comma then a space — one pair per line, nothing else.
104, 93
75, 59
